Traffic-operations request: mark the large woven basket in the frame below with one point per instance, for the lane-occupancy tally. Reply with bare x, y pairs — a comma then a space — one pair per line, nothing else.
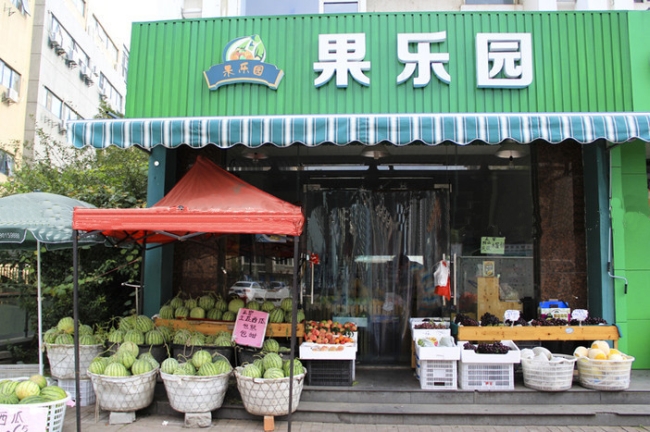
124, 394
55, 411
196, 394
554, 375
605, 374
268, 397
61, 359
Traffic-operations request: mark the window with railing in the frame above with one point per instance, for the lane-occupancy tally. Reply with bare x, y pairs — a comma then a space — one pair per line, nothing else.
58, 108
22, 6
9, 78
109, 93
125, 62
103, 40
6, 163
65, 45
80, 5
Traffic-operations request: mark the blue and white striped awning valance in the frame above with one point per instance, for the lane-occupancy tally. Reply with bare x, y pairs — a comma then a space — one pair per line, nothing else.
398, 129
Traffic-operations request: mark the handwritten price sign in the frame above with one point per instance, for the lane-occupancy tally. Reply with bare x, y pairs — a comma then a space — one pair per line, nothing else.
250, 327
23, 419
493, 245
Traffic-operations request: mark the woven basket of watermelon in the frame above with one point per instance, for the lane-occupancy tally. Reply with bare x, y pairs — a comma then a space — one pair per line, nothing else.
61, 358
124, 393
24, 394
267, 393
195, 393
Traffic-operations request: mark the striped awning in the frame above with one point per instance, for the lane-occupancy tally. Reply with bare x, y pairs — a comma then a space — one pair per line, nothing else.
402, 129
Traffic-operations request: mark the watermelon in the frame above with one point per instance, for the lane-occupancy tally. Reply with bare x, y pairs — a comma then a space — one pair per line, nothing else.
253, 305
66, 325
268, 306
197, 339
40, 380
169, 365
116, 369
131, 347
127, 323
191, 303
176, 302
141, 366
10, 399
64, 339
181, 312
33, 399
223, 366
273, 373
271, 345
206, 302
214, 314
126, 358
197, 312
276, 316
181, 336
286, 304
223, 341
116, 336
53, 393
299, 314
272, 360
154, 337
207, 369
87, 340
50, 335
27, 388
143, 323
85, 329
8, 387
201, 357
221, 305
166, 312
150, 358
97, 367
228, 316
251, 371
234, 305
297, 368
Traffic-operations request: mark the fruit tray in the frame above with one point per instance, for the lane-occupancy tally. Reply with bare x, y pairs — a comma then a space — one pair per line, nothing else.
313, 351
470, 356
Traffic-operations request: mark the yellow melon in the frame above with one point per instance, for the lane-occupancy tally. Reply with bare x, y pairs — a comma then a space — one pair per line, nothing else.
601, 345
596, 354
581, 351
615, 357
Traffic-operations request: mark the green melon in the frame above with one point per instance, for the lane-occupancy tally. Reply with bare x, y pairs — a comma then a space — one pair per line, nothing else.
39, 379
197, 339
223, 366
8, 387
10, 399
201, 357
272, 360
251, 371
127, 323
126, 358
298, 369
35, 399
130, 347
143, 323
254, 305
97, 367
50, 335
116, 336
176, 302
223, 341
154, 337
181, 312
87, 340
268, 306
181, 336
221, 304
150, 358
286, 304
191, 303
64, 339
85, 329
197, 312
135, 336
53, 393
207, 369
235, 304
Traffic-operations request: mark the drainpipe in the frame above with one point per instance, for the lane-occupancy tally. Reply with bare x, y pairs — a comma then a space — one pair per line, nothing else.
610, 253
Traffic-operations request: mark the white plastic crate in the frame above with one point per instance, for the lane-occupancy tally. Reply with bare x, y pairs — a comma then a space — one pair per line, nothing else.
437, 374
85, 389
486, 376
437, 353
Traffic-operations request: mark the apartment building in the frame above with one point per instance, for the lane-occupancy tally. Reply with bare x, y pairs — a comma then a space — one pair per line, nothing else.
15, 27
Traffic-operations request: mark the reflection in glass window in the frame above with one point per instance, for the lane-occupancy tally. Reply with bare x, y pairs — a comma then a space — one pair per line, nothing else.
340, 6
9, 78
22, 6
6, 163
53, 104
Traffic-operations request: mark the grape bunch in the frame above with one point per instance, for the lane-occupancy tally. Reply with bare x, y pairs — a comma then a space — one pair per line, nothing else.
430, 325
549, 322
469, 346
493, 348
465, 321
519, 322
489, 320
590, 321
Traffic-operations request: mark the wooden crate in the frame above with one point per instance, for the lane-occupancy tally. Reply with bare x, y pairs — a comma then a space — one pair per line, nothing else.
532, 333
213, 327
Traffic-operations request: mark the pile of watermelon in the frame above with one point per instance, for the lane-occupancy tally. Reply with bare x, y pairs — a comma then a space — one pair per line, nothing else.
195, 338
202, 363
271, 366
29, 391
139, 329
63, 334
127, 361
205, 307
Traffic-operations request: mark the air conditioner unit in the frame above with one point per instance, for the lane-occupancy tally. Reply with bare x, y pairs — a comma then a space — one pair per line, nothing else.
71, 59
102, 94
83, 71
10, 96
62, 129
54, 43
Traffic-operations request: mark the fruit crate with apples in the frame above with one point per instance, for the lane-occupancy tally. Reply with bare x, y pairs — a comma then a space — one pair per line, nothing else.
85, 390
329, 372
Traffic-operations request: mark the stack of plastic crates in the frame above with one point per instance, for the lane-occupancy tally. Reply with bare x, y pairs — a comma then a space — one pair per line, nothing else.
329, 372
86, 392
436, 367
488, 372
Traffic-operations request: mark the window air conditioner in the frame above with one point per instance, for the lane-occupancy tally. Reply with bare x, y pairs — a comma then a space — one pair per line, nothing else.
62, 129
70, 59
10, 96
54, 43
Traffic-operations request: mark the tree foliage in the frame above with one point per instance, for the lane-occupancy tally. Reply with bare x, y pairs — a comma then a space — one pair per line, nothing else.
110, 178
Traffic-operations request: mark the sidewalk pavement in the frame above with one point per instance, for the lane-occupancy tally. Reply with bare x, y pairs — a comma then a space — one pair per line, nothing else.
169, 424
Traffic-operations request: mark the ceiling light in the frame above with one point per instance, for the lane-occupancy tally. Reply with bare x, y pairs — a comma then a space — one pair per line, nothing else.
375, 152
255, 156
509, 149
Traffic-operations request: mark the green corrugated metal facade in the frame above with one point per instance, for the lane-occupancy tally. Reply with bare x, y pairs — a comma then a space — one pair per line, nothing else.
580, 63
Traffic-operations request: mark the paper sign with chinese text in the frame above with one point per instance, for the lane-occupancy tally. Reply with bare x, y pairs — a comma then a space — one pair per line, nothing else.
250, 327
493, 245
23, 418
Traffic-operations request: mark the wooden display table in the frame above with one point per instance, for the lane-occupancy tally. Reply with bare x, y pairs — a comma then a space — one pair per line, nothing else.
539, 333
208, 327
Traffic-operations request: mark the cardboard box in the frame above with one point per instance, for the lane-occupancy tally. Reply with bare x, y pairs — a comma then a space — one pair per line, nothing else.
313, 351
555, 309
470, 356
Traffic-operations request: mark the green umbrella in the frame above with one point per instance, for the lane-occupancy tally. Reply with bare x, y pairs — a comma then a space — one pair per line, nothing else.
31, 220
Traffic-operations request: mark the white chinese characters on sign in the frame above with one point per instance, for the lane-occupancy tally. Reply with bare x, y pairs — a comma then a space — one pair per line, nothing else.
339, 54
423, 59
504, 60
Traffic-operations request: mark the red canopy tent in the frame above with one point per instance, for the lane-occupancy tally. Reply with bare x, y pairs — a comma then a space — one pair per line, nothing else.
206, 201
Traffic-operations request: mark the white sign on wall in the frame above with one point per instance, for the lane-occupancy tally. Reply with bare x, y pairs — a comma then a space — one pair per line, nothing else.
504, 60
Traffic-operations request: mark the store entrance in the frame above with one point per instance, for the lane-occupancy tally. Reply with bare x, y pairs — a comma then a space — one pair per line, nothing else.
378, 251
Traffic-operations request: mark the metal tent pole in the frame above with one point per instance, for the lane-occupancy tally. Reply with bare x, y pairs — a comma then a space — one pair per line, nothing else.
75, 302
